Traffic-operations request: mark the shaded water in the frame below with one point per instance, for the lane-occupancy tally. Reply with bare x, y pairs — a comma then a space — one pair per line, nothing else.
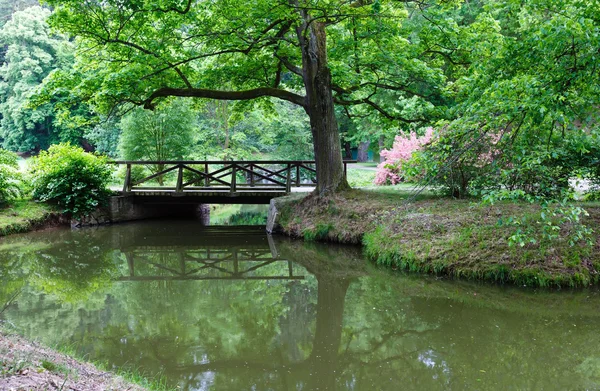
227, 308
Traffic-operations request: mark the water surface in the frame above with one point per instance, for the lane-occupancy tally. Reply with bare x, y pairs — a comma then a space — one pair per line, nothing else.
228, 308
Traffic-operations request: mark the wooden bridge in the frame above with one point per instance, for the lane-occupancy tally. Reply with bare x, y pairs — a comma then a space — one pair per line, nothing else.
218, 182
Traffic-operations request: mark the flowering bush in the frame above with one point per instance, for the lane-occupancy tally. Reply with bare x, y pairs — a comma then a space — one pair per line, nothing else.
390, 171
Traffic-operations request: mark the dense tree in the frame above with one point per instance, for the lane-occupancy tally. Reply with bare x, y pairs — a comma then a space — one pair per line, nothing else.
141, 51
32, 54
527, 112
162, 134
9, 7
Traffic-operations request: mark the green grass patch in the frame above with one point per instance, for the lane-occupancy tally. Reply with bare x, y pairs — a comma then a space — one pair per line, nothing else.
15, 365
24, 216
366, 164
151, 382
56, 368
319, 232
360, 178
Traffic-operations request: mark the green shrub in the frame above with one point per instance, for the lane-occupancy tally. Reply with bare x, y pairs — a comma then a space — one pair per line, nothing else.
592, 195
11, 180
71, 178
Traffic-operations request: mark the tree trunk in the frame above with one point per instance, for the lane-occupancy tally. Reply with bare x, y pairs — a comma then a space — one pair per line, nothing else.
320, 108
381, 145
363, 151
324, 357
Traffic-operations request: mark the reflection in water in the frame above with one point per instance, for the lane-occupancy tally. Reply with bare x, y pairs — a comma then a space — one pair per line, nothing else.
207, 261
232, 309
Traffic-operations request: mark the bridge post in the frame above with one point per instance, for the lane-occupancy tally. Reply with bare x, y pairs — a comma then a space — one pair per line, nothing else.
206, 172
288, 183
298, 175
345, 170
233, 178
179, 186
127, 185
251, 175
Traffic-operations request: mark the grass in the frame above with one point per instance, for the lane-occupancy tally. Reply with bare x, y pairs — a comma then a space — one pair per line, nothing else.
157, 382
56, 368
18, 362
367, 164
24, 215
360, 178
456, 238
14, 365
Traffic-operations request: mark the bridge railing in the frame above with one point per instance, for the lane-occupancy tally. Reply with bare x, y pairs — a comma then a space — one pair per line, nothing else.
231, 176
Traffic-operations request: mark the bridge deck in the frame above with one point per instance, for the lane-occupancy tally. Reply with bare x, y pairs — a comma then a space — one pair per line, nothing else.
217, 182
208, 196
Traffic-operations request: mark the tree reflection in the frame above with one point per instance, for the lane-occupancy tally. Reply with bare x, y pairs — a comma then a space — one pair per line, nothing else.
224, 309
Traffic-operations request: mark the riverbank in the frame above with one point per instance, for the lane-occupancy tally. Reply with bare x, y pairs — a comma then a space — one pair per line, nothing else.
456, 238
28, 366
27, 215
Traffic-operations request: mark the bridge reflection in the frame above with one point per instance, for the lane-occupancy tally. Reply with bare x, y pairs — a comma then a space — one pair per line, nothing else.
158, 264
211, 257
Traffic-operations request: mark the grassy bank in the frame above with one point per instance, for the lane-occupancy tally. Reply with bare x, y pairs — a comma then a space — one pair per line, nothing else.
25, 365
457, 238
26, 215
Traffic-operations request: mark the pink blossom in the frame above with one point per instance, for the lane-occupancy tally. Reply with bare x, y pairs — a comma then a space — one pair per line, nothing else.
390, 170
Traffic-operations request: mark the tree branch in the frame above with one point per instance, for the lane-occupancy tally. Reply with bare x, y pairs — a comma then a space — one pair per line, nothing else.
291, 67
225, 95
377, 107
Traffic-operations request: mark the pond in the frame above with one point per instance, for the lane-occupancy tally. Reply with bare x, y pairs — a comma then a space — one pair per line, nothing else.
229, 308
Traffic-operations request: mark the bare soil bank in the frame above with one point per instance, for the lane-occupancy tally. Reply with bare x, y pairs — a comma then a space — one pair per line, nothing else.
28, 366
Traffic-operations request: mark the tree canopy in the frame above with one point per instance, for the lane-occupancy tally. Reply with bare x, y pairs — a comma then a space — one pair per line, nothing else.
312, 54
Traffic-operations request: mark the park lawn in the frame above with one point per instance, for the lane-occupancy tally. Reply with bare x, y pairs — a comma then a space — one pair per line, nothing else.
360, 178
458, 238
26, 215
367, 164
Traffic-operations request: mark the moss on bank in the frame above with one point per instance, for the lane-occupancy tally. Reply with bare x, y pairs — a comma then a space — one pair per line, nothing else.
457, 238
27, 215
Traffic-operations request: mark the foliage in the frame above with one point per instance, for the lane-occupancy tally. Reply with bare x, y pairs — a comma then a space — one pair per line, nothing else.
133, 67
528, 100
71, 178
191, 49
32, 54
247, 218
286, 133
159, 135
9, 7
494, 163
556, 219
592, 195
11, 181
390, 170
104, 136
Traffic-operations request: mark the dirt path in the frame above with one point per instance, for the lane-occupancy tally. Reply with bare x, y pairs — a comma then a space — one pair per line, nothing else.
29, 366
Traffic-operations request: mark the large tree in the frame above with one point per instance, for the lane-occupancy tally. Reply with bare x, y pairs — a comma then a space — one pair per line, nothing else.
315, 54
